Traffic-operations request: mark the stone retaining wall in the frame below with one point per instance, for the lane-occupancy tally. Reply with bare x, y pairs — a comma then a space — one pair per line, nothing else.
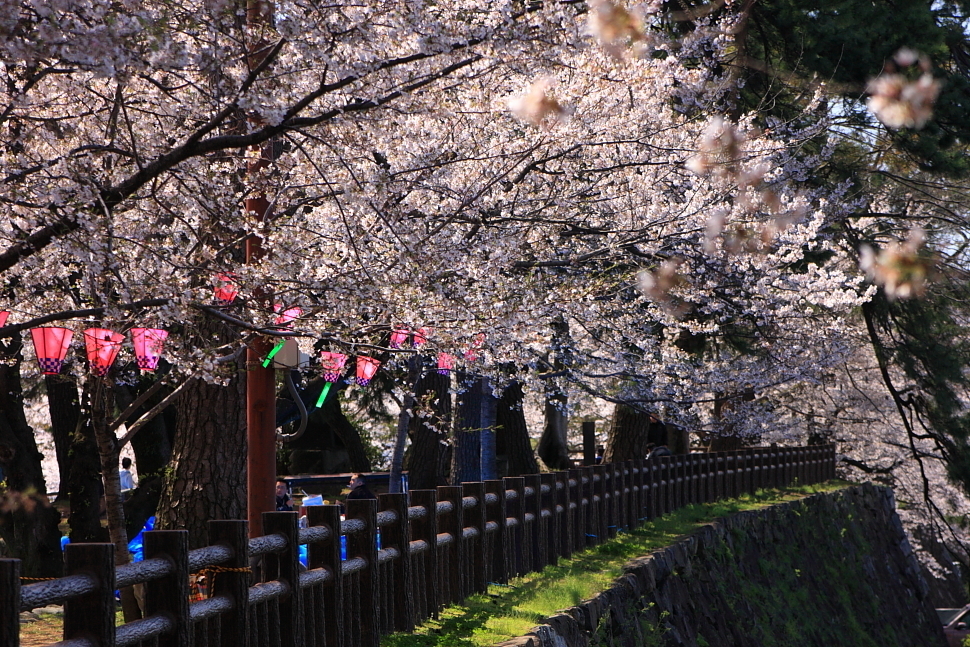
830, 570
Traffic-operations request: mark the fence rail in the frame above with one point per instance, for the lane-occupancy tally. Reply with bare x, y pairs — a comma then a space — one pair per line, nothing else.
436, 547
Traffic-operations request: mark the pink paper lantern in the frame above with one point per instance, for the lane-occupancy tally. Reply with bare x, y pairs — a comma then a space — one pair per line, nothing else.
366, 368
399, 336
333, 365
102, 346
286, 316
50, 346
226, 289
148, 344
471, 354
446, 363
421, 336
3, 318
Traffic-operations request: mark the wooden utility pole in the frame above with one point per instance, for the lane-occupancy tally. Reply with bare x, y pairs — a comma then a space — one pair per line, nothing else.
260, 381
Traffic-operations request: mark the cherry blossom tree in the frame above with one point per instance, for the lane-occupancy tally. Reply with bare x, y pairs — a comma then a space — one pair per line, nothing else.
510, 170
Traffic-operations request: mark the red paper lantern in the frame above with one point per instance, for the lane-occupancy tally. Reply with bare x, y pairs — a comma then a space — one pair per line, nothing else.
3, 318
446, 363
148, 344
102, 346
399, 336
226, 289
366, 368
50, 346
333, 365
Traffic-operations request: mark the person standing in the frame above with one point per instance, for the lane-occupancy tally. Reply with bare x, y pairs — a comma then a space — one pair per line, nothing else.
127, 480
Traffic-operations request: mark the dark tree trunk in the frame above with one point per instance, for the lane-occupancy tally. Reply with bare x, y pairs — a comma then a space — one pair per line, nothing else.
474, 432
513, 433
428, 460
553, 448
65, 412
347, 432
152, 444
629, 434
101, 405
553, 444
403, 424
74, 437
209, 476
30, 529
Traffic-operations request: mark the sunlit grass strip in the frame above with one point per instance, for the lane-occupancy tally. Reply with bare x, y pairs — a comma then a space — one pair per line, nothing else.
510, 611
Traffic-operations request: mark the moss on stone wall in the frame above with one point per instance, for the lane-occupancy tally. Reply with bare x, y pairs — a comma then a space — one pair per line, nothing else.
833, 569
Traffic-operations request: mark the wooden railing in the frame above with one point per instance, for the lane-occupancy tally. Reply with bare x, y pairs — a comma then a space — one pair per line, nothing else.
436, 547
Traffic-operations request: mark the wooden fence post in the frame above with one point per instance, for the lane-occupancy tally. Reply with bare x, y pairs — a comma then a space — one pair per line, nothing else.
425, 529
364, 545
650, 488
613, 500
564, 512
475, 548
398, 537
9, 602
329, 606
704, 477
170, 594
755, 469
285, 567
548, 502
497, 513
669, 484
747, 458
533, 506
640, 500
589, 442
234, 624
599, 504
519, 557
453, 524
578, 543
91, 615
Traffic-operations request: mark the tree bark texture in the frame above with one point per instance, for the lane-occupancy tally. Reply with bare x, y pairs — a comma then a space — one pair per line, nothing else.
474, 420
65, 413
152, 444
553, 444
403, 424
629, 434
30, 529
74, 439
513, 439
208, 479
428, 459
101, 406
553, 448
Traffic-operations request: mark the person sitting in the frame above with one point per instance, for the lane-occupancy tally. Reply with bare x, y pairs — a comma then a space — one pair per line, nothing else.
662, 450
358, 488
282, 497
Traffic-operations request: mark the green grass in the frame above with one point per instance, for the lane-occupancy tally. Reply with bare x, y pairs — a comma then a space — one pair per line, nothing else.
509, 611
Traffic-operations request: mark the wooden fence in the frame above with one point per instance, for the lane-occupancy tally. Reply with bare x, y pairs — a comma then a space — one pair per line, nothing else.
436, 547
